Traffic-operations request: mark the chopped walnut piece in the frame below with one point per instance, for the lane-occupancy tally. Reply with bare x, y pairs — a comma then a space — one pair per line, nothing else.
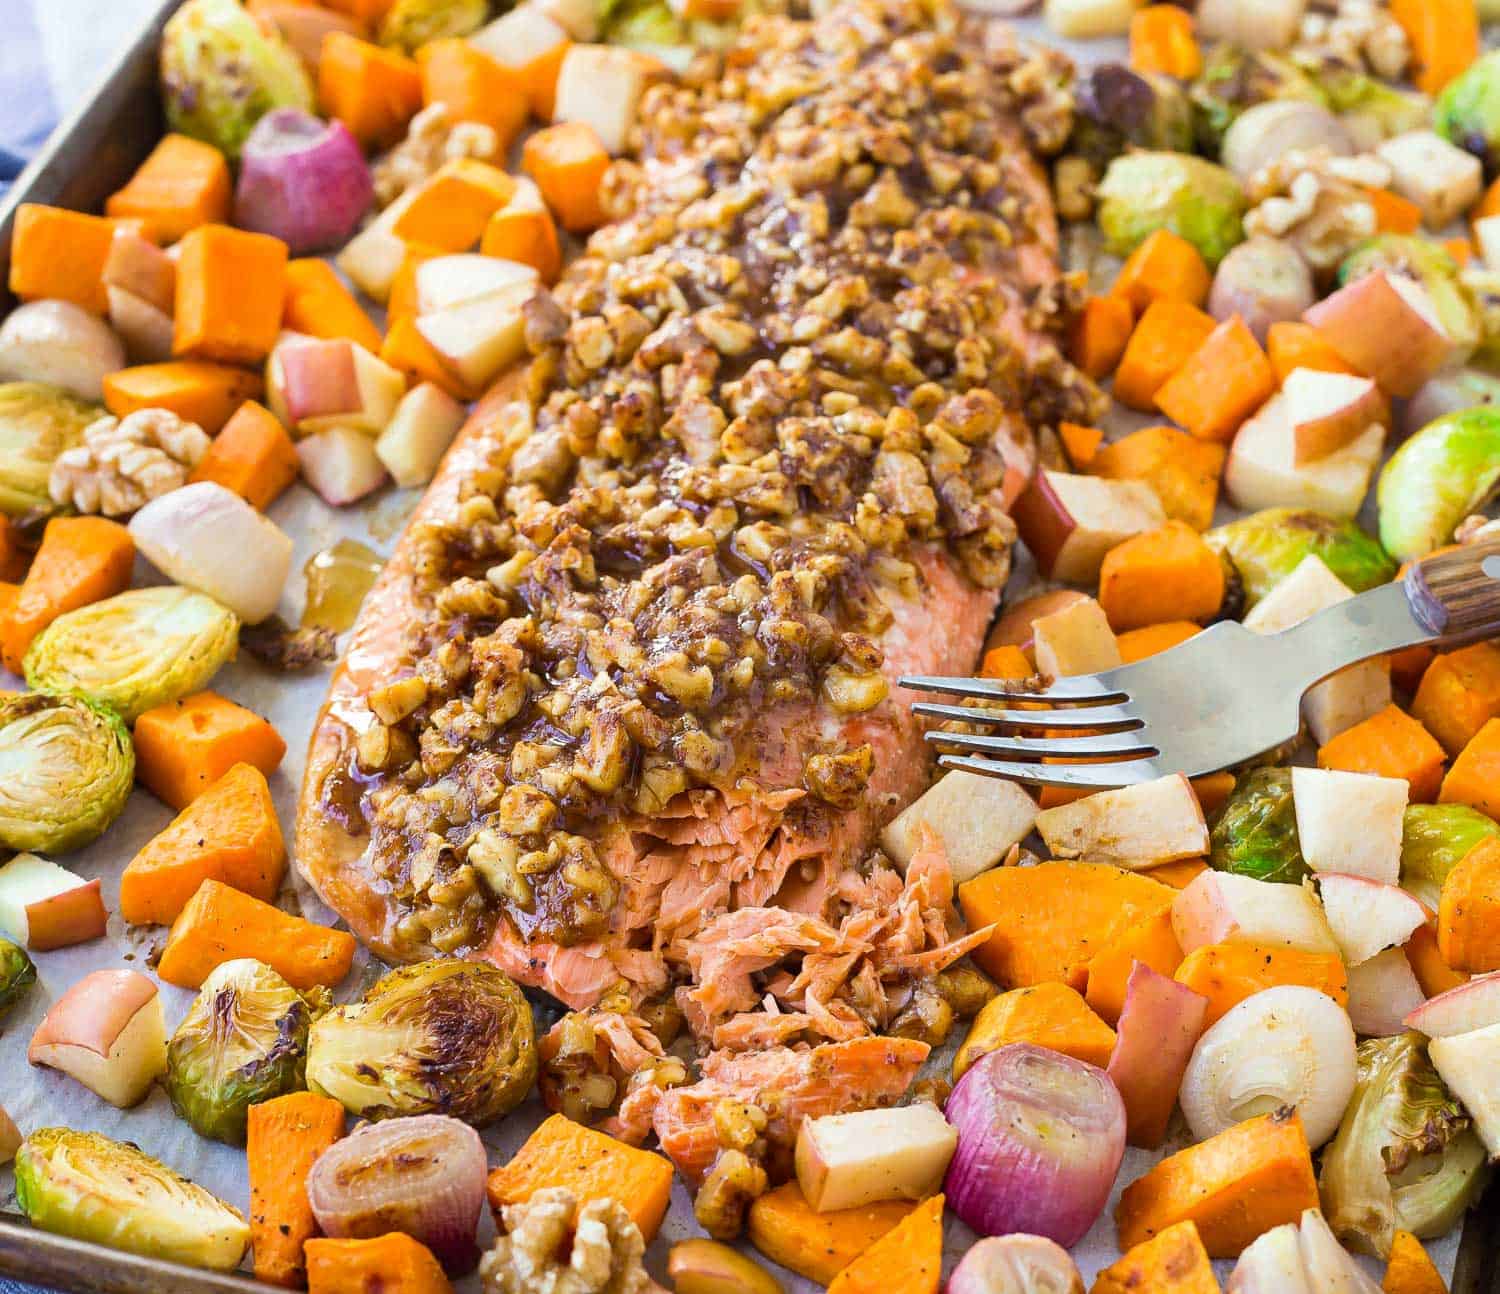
1316, 202
555, 1245
431, 139
732, 1184
124, 463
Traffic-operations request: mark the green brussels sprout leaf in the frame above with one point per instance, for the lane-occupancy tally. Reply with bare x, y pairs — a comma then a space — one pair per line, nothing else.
136, 650
69, 768
438, 1037
244, 1040
221, 72
1437, 478
84, 1185
1116, 108
1467, 112
1434, 837
1266, 547
1256, 831
1405, 1156
410, 24
1234, 79
37, 422
17, 974
1146, 191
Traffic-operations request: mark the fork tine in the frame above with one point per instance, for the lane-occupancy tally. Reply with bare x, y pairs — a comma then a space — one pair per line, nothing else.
1123, 744
1104, 716
1083, 688
1086, 776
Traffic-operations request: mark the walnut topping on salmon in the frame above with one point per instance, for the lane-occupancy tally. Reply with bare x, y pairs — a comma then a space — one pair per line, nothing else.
620, 716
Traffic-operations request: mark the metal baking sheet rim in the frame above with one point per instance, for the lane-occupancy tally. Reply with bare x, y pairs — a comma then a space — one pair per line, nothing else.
91, 154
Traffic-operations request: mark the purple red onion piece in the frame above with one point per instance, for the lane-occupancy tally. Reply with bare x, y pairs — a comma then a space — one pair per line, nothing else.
1040, 1139
302, 180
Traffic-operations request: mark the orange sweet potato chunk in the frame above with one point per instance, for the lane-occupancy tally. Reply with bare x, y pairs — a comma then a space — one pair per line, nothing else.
193, 389
1389, 744
789, 1231
231, 290
184, 747
184, 183
1051, 920
253, 456
591, 1164
1459, 693
568, 162
59, 253
229, 834
908, 1258
390, 1264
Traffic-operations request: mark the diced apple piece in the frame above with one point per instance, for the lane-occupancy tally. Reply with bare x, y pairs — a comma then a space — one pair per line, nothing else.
1261, 24
373, 257
1350, 822
1463, 1009
1468, 1063
848, 1160
145, 330
1075, 640
530, 42
1136, 827
138, 266
317, 379
1367, 917
601, 86
1346, 698
1487, 235
1329, 410
1263, 472
579, 18
479, 339
447, 281
1439, 177
1159, 1025
44, 906
1385, 326
418, 434
1271, 1264
1221, 907
976, 819
107, 1031
1086, 19
10, 1137
341, 465
1069, 522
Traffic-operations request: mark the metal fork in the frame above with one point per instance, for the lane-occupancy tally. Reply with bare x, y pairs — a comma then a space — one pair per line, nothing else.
1224, 696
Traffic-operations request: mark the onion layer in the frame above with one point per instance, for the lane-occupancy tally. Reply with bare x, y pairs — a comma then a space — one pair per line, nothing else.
1288, 1046
302, 180
1016, 1265
1040, 1139
422, 1175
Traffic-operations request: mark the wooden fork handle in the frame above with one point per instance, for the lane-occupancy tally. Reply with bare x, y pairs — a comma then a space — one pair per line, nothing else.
1456, 595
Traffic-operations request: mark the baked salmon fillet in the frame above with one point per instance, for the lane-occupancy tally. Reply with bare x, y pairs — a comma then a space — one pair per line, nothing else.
619, 715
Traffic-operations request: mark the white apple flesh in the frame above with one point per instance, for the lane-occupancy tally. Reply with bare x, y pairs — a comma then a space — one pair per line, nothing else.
145, 330
1221, 907
341, 465
1385, 326
1468, 1063
601, 86
1263, 469
138, 266
107, 1031
1330, 410
1350, 822
1463, 1009
845, 1161
975, 819
418, 434
44, 906
1135, 827
318, 379
10, 1137
1070, 522
479, 339
447, 281
1075, 640
1367, 917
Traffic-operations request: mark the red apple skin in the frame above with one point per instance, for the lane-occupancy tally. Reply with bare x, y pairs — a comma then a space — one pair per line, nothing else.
93, 1013
318, 379
1044, 522
72, 917
1318, 436
1378, 332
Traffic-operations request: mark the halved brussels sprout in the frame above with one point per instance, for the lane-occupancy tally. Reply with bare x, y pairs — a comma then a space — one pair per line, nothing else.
243, 1040
1448, 470
136, 650
221, 72
1405, 1156
438, 1037
1256, 832
1234, 79
37, 422
410, 24
1467, 113
66, 769
17, 974
1116, 108
1432, 267
1267, 546
84, 1185
1434, 838
1146, 191
653, 27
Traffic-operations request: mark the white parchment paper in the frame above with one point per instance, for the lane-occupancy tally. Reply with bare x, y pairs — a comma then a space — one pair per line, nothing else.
41, 1097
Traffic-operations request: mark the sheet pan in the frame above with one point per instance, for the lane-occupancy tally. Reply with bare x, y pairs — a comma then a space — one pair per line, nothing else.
90, 155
